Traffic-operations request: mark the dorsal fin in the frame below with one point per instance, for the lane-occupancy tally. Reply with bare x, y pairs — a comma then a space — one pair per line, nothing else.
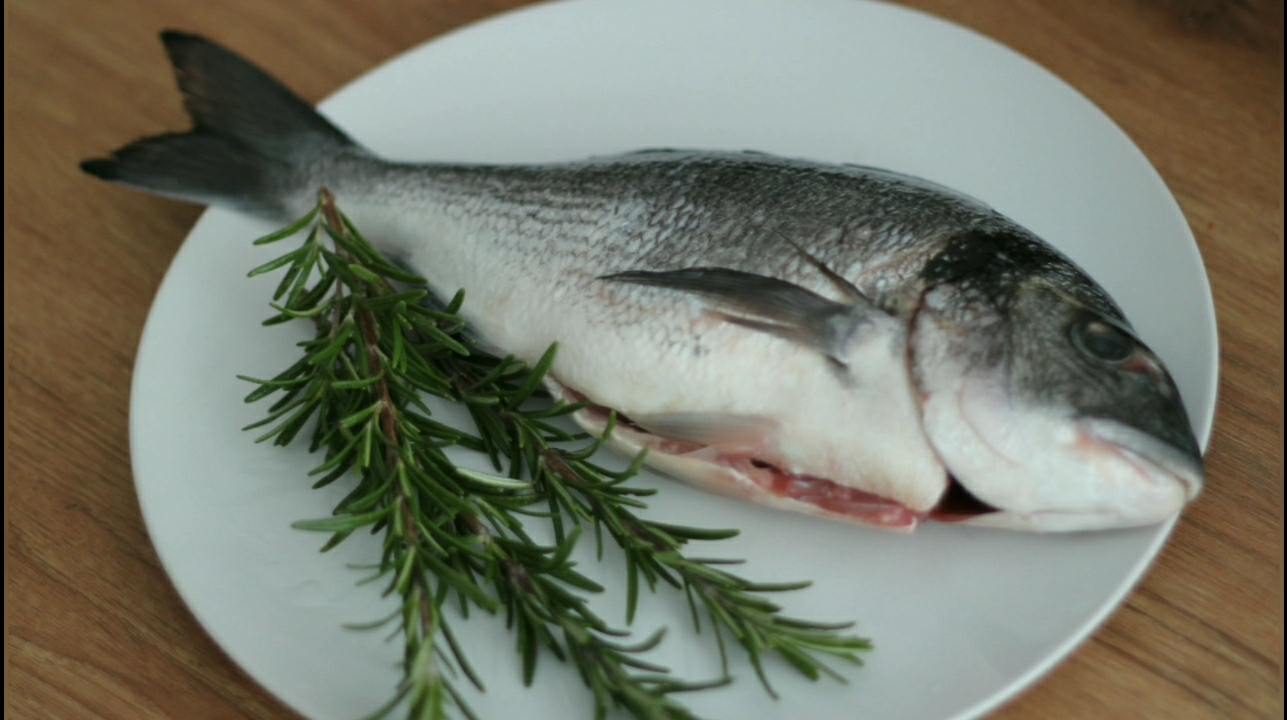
848, 289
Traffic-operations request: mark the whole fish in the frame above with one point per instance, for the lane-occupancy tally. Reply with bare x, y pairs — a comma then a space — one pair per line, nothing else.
836, 340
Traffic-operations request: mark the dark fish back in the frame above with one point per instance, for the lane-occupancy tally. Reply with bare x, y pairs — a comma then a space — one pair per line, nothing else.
663, 210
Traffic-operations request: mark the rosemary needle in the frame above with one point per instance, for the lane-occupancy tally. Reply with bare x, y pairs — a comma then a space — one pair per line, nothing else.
455, 533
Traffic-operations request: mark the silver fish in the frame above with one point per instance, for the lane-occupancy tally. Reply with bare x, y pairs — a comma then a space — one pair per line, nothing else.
836, 340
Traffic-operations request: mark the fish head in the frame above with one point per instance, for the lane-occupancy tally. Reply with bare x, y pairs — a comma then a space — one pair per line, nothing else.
1045, 407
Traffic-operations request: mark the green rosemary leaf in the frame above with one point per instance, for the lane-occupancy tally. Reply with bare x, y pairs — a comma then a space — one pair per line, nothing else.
336, 539
692, 533
361, 416
289, 230
807, 666
363, 273
493, 480
534, 377
810, 625
355, 384
298, 314
341, 523
287, 280
776, 587
374, 623
304, 270
632, 587
278, 262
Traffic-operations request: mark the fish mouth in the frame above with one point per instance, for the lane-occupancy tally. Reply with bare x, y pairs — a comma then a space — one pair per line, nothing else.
1156, 460
764, 481
958, 504
1159, 479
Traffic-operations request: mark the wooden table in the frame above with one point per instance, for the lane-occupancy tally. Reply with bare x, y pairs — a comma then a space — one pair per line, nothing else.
97, 631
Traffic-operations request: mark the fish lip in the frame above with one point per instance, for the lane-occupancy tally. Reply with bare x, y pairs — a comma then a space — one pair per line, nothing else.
1140, 446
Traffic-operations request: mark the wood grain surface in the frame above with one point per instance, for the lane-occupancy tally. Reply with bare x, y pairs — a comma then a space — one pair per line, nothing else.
95, 630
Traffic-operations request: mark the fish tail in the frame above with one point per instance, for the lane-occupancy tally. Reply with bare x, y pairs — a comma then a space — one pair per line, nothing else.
255, 146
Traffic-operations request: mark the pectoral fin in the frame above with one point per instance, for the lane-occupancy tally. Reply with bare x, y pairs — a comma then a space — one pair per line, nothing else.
774, 306
768, 297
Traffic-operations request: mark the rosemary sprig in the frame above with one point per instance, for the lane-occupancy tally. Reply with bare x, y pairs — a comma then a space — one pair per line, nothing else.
449, 531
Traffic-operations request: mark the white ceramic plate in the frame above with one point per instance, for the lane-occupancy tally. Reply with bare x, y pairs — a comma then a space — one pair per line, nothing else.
962, 618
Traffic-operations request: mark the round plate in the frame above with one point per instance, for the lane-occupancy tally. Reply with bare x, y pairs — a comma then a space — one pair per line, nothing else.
961, 618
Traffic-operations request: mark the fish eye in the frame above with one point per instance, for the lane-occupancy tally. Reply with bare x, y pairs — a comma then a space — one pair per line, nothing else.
1103, 341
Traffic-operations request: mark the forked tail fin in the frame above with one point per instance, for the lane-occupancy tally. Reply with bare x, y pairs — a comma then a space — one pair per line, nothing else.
254, 145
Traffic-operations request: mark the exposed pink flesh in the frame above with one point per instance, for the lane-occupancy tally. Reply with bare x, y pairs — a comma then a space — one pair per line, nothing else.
957, 504
826, 494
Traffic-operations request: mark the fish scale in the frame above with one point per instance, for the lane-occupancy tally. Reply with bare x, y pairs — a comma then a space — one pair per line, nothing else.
838, 340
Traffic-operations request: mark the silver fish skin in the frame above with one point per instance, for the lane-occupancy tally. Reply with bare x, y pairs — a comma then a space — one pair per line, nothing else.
841, 341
